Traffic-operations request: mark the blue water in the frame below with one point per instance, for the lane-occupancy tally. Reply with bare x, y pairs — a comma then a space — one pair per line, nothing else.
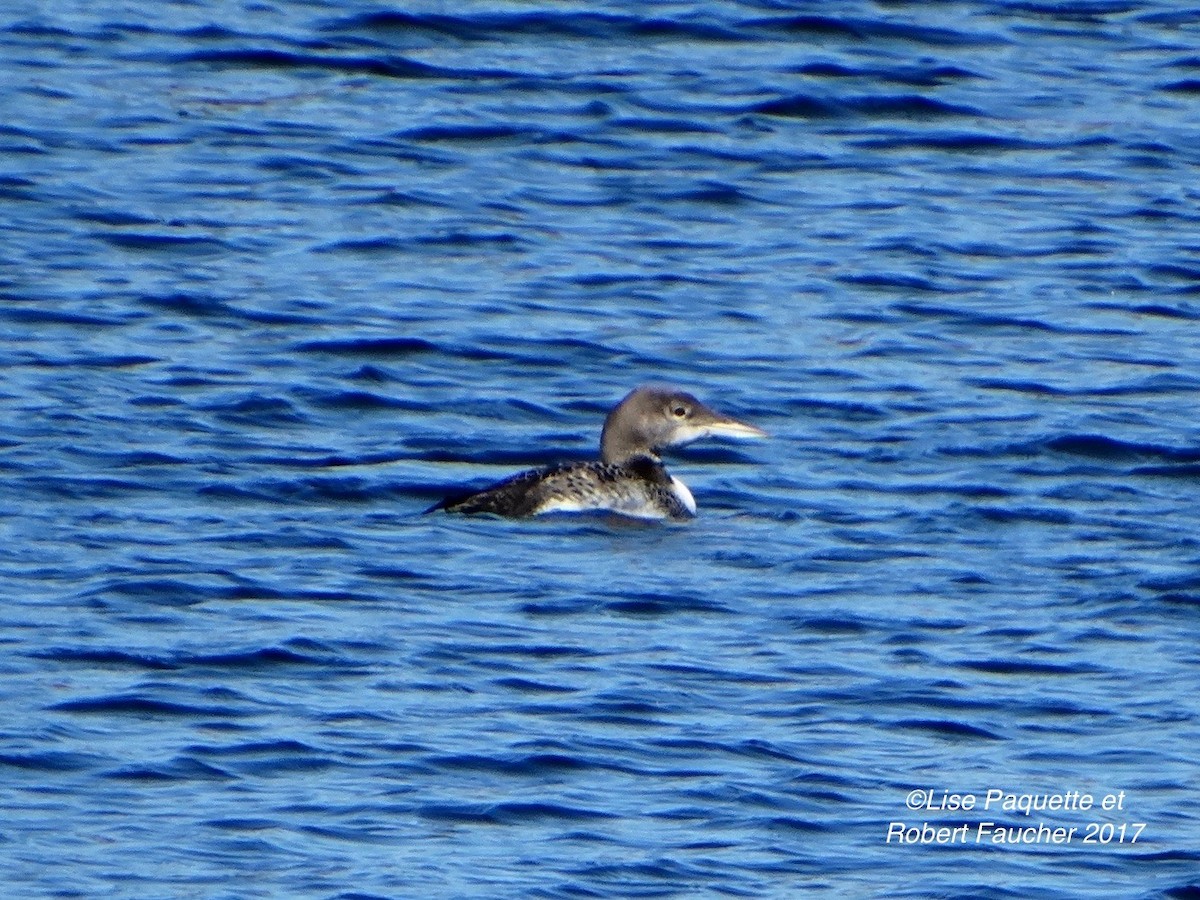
275, 276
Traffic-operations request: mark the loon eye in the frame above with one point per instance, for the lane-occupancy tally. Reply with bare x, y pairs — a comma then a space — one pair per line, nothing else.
679, 412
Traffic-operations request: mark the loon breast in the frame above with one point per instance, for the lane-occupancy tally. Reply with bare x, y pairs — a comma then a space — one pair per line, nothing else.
640, 488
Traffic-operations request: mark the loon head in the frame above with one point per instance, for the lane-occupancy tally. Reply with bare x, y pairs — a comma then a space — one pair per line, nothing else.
650, 419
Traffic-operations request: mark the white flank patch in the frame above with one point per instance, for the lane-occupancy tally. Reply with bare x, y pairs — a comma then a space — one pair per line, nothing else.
635, 509
564, 504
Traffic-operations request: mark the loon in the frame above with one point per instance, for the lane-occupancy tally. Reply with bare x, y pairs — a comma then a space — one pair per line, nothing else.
629, 479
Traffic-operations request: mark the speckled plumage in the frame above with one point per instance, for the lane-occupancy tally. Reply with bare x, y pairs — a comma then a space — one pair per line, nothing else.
630, 478
640, 487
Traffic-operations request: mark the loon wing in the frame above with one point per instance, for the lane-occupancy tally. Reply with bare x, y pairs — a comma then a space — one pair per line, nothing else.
516, 495
640, 488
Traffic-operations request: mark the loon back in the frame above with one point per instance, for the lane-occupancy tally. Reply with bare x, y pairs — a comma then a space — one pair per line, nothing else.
640, 487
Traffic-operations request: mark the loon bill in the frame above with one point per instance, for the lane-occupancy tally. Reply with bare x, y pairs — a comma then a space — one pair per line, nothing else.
629, 479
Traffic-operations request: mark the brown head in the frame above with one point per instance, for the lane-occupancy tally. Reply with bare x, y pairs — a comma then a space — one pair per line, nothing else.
650, 419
